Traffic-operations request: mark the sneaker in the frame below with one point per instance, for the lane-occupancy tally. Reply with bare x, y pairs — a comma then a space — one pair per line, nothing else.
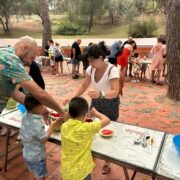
133, 80
75, 76
137, 80
153, 81
18, 138
3, 131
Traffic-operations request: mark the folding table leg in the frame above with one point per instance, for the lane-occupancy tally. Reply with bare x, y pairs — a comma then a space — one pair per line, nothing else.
126, 173
134, 174
6, 149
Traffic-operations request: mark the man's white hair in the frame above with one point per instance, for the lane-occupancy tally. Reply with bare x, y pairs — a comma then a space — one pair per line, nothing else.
27, 40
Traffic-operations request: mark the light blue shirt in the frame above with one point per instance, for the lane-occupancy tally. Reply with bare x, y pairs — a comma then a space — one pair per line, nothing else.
32, 136
115, 47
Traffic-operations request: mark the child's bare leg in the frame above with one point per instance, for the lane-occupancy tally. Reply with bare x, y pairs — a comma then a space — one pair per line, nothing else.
57, 67
61, 66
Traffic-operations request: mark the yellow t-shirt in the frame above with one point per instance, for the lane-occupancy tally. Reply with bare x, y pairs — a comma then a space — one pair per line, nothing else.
76, 158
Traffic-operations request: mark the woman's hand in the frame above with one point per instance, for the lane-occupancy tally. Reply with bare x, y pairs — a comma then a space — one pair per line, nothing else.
94, 94
93, 112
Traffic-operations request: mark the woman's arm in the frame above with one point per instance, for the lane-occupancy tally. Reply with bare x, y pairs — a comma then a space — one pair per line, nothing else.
84, 86
114, 91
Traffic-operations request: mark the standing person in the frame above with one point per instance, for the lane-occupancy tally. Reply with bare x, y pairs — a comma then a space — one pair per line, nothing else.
104, 78
46, 48
158, 51
122, 60
58, 59
129, 41
12, 72
51, 52
36, 75
84, 59
34, 137
115, 48
136, 67
75, 56
77, 136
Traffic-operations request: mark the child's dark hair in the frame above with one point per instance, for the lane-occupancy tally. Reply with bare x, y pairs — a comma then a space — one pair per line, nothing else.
78, 106
95, 51
30, 102
51, 41
136, 54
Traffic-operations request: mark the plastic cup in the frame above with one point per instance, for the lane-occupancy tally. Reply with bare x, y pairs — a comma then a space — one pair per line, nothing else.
22, 108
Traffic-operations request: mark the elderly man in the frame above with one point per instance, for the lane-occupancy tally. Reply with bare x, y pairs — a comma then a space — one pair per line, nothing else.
12, 72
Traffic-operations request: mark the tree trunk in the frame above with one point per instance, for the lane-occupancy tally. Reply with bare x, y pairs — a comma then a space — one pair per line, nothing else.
111, 16
7, 23
90, 24
4, 28
173, 48
47, 32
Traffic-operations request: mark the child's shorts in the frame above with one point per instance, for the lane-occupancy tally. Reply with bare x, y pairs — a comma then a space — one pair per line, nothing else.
38, 168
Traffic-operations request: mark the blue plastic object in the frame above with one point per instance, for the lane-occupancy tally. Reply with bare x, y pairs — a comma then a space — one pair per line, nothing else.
176, 140
22, 108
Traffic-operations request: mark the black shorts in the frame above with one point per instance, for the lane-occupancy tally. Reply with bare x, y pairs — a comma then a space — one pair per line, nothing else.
112, 60
58, 58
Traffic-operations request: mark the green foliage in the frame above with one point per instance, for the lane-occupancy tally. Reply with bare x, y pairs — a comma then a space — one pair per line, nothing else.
68, 28
142, 29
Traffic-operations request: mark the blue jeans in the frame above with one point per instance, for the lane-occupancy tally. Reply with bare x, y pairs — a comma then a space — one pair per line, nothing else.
88, 177
38, 168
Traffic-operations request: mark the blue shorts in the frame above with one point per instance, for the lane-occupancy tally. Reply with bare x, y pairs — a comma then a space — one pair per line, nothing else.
74, 61
38, 168
88, 177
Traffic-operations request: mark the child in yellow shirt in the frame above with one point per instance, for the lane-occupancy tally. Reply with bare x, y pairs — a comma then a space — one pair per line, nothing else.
77, 136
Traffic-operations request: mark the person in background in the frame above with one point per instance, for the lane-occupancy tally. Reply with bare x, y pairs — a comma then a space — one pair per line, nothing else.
77, 136
122, 60
51, 52
129, 41
104, 48
34, 137
75, 58
36, 75
58, 59
12, 72
84, 59
143, 68
115, 48
136, 67
47, 47
158, 51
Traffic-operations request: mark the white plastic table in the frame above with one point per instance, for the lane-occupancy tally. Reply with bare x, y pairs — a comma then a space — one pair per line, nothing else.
118, 149
169, 161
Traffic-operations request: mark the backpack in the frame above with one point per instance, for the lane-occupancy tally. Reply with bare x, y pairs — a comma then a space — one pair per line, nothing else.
57, 53
119, 52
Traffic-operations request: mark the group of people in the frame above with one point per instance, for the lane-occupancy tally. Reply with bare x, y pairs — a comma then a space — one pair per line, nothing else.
76, 134
55, 53
104, 78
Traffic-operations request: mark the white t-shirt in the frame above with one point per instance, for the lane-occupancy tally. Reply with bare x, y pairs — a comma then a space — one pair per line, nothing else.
104, 83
